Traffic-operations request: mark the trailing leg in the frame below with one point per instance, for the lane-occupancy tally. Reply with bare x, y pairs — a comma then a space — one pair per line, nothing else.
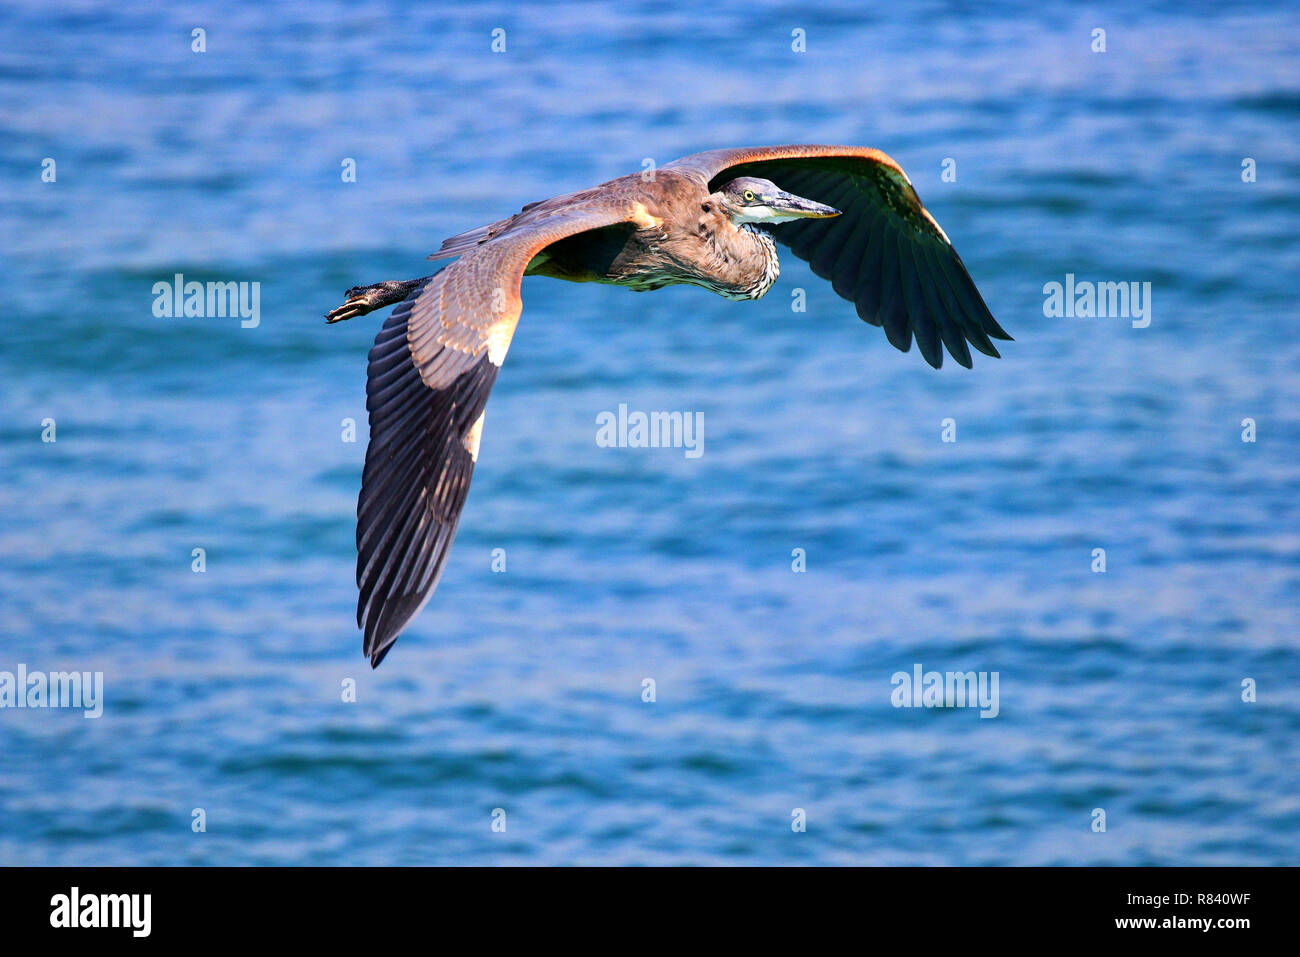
364, 299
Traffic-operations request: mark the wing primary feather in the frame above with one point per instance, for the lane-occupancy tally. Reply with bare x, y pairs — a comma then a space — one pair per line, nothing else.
949, 324
867, 290
847, 267
970, 325
827, 252
975, 302
893, 310
924, 326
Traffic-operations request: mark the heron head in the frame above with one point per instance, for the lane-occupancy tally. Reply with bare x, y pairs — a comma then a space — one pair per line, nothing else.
752, 200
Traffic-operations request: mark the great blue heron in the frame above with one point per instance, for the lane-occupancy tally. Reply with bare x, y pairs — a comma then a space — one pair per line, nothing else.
713, 220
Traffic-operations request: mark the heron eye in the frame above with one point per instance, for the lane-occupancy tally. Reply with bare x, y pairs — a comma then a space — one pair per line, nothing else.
749, 195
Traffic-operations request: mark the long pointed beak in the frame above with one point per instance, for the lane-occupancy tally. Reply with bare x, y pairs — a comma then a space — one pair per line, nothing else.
792, 205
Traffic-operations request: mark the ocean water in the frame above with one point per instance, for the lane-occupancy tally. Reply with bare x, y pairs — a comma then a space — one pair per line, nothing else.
522, 690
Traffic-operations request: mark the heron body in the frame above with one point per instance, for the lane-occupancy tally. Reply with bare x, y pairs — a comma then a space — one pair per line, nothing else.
713, 220
736, 262
710, 246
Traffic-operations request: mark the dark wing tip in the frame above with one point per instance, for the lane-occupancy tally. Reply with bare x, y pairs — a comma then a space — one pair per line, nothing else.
386, 624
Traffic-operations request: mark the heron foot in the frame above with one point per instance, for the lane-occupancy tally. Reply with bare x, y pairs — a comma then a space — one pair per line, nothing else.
360, 300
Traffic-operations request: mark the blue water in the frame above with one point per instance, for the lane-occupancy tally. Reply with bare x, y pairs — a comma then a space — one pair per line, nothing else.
521, 690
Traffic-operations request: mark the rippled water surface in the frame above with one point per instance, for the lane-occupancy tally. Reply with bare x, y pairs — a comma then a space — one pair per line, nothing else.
522, 690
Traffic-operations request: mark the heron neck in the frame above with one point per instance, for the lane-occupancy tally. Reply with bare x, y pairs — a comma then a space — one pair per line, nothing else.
768, 265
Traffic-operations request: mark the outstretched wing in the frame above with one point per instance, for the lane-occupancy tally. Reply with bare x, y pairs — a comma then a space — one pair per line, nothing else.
885, 254
432, 366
